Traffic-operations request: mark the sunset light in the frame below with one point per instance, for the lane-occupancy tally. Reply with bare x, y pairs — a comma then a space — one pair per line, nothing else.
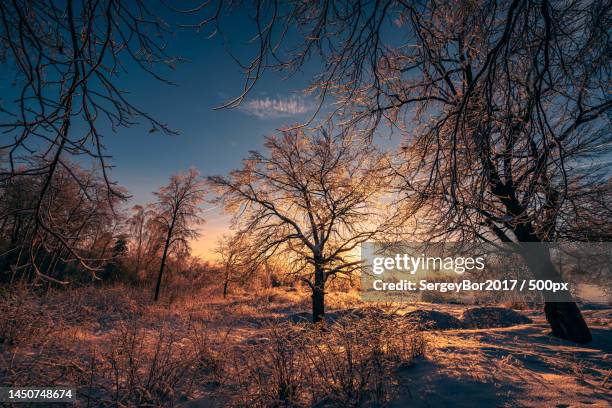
305, 203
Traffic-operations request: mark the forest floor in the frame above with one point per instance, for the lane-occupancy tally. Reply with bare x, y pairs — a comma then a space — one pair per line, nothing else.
200, 350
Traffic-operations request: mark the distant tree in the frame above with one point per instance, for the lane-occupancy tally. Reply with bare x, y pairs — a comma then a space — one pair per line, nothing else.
136, 225
505, 106
146, 238
238, 259
229, 254
115, 268
312, 198
177, 214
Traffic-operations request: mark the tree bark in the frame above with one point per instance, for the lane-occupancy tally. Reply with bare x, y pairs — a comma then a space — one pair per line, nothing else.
225, 283
567, 322
318, 296
161, 272
564, 318
562, 312
163, 260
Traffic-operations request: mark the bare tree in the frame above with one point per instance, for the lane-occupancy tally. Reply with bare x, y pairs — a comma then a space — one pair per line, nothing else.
146, 237
238, 259
177, 213
504, 105
313, 198
66, 57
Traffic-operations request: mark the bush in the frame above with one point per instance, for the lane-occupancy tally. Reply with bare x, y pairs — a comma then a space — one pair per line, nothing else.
491, 317
348, 363
150, 368
433, 320
22, 318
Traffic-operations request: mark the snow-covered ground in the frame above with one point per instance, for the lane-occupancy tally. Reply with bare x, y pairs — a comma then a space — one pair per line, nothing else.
87, 336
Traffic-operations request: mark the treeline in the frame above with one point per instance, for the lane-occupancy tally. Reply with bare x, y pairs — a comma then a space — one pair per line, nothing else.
79, 233
61, 235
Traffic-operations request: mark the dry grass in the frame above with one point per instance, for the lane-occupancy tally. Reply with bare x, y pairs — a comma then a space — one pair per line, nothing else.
22, 318
144, 367
121, 349
350, 363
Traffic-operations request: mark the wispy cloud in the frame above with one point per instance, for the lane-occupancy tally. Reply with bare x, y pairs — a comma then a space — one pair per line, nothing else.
279, 107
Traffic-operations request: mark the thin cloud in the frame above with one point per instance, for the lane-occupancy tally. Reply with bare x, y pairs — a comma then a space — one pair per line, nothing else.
279, 107
210, 209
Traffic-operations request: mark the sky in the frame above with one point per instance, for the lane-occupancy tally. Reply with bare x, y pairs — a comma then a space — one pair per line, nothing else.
213, 141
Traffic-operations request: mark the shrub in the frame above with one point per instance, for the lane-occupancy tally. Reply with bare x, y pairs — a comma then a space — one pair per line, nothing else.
490, 317
22, 318
150, 367
433, 320
348, 363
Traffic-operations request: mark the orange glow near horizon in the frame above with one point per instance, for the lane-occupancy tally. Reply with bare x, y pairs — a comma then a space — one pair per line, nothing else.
216, 225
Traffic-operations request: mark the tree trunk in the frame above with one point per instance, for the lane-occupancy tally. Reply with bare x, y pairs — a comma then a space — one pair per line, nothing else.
225, 284
318, 296
564, 318
567, 322
163, 261
562, 312
161, 272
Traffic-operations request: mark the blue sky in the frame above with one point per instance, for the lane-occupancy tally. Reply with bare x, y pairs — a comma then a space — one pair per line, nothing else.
213, 141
